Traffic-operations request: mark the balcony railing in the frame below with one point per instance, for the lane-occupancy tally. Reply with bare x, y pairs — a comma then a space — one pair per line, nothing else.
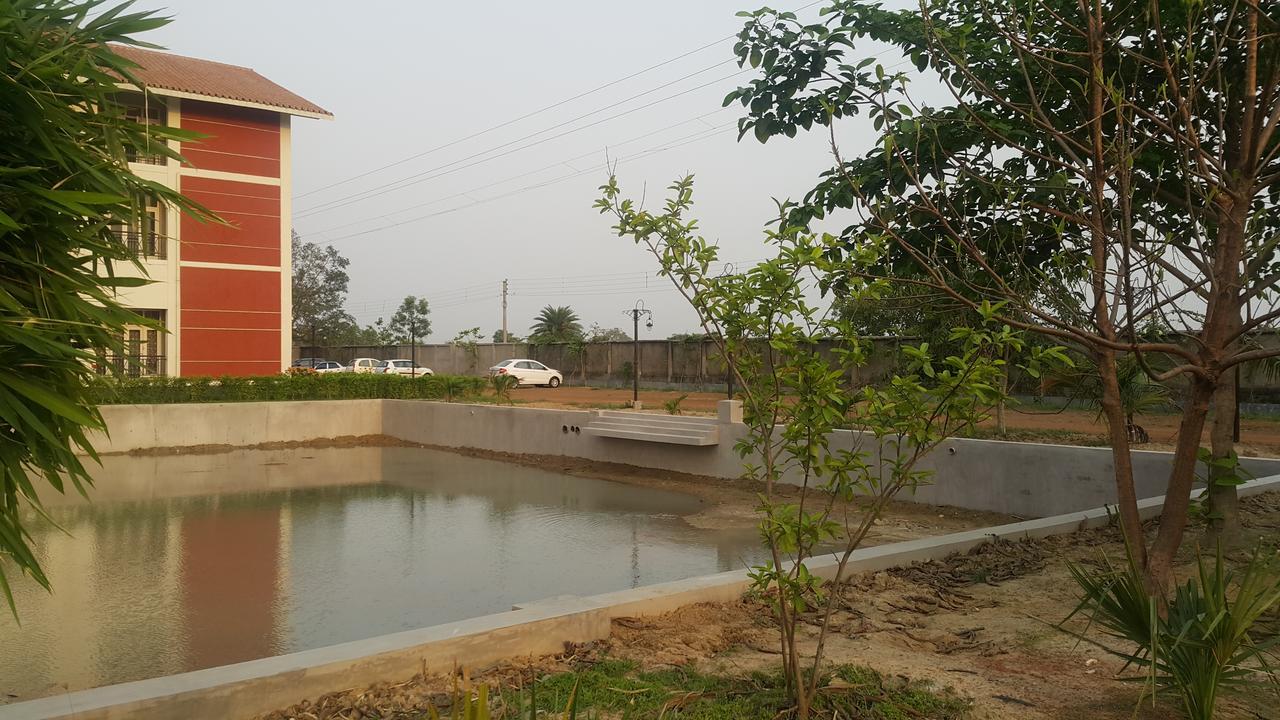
132, 365
145, 244
135, 156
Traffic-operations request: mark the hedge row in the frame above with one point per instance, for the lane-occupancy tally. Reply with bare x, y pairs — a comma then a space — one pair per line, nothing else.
311, 386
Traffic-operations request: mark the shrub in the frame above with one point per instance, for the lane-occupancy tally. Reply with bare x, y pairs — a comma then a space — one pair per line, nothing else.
673, 405
1202, 641
305, 386
502, 387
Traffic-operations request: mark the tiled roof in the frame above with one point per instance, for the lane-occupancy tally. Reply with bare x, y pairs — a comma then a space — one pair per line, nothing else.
165, 71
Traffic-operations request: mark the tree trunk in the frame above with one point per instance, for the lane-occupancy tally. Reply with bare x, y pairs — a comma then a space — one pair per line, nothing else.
1222, 500
1126, 493
1177, 499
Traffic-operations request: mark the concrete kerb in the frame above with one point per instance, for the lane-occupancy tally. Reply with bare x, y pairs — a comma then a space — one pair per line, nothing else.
536, 628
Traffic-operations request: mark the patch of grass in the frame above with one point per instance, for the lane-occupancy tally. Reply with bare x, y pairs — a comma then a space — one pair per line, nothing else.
1047, 435
618, 689
608, 406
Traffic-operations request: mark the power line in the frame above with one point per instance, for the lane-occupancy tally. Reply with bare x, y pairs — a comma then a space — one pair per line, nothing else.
539, 111
449, 168
565, 162
517, 191
512, 121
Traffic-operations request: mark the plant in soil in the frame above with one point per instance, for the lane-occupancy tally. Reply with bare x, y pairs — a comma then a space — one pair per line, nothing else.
502, 387
1204, 640
621, 691
796, 397
672, 406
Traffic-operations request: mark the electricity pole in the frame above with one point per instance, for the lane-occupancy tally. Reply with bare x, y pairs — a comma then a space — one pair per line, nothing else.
505, 338
413, 347
635, 314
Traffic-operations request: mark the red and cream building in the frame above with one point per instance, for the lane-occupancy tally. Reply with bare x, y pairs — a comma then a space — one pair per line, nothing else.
221, 291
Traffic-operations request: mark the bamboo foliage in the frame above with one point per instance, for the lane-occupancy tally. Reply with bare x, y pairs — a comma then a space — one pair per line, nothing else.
64, 180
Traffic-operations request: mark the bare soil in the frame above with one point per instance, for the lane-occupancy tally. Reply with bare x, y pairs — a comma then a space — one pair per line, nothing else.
733, 503
1259, 437
980, 624
342, 441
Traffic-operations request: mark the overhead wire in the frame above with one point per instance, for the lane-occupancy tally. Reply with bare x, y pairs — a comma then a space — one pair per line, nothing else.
565, 162
534, 113
526, 188
515, 120
479, 159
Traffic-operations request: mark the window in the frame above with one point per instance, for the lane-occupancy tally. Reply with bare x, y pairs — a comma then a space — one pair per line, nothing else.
146, 236
147, 110
525, 365
144, 348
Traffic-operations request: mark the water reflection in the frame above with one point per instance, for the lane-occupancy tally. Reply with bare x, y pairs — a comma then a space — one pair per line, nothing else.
186, 562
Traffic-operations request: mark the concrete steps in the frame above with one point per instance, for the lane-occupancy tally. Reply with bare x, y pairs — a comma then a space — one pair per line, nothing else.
650, 427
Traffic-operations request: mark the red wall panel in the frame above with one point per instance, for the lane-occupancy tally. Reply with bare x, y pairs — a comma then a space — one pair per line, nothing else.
239, 140
230, 345
219, 368
252, 236
218, 289
231, 322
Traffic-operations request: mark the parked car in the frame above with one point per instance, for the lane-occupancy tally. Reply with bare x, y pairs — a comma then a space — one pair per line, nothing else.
406, 367
528, 372
329, 366
366, 365
309, 362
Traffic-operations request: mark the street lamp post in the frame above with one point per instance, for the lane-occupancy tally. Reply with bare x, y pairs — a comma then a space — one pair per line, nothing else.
635, 314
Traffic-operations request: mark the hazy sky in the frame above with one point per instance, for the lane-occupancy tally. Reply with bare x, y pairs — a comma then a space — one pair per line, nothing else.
404, 78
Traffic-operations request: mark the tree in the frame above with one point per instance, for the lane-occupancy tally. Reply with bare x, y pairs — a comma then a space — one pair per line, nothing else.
1123, 152
411, 321
319, 293
555, 325
688, 337
376, 333
795, 398
65, 182
511, 337
468, 341
600, 334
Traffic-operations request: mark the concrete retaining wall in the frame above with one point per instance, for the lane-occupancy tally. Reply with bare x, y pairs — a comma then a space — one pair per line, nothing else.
538, 628
139, 427
1023, 479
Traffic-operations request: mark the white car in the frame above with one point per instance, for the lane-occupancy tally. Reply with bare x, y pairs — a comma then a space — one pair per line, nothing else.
528, 372
406, 367
366, 365
329, 366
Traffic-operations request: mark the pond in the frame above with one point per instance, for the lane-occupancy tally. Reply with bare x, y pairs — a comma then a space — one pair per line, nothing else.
193, 561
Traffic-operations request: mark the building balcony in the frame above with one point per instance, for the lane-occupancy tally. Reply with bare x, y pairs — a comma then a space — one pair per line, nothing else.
142, 158
146, 245
132, 365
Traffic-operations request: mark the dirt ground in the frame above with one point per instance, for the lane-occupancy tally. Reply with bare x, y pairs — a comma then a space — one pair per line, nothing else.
1259, 437
732, 503
979, 624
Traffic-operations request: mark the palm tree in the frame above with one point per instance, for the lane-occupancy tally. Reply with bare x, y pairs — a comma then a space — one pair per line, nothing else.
556, 325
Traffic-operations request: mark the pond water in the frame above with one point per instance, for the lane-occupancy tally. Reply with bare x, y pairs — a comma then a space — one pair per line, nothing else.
187, 562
